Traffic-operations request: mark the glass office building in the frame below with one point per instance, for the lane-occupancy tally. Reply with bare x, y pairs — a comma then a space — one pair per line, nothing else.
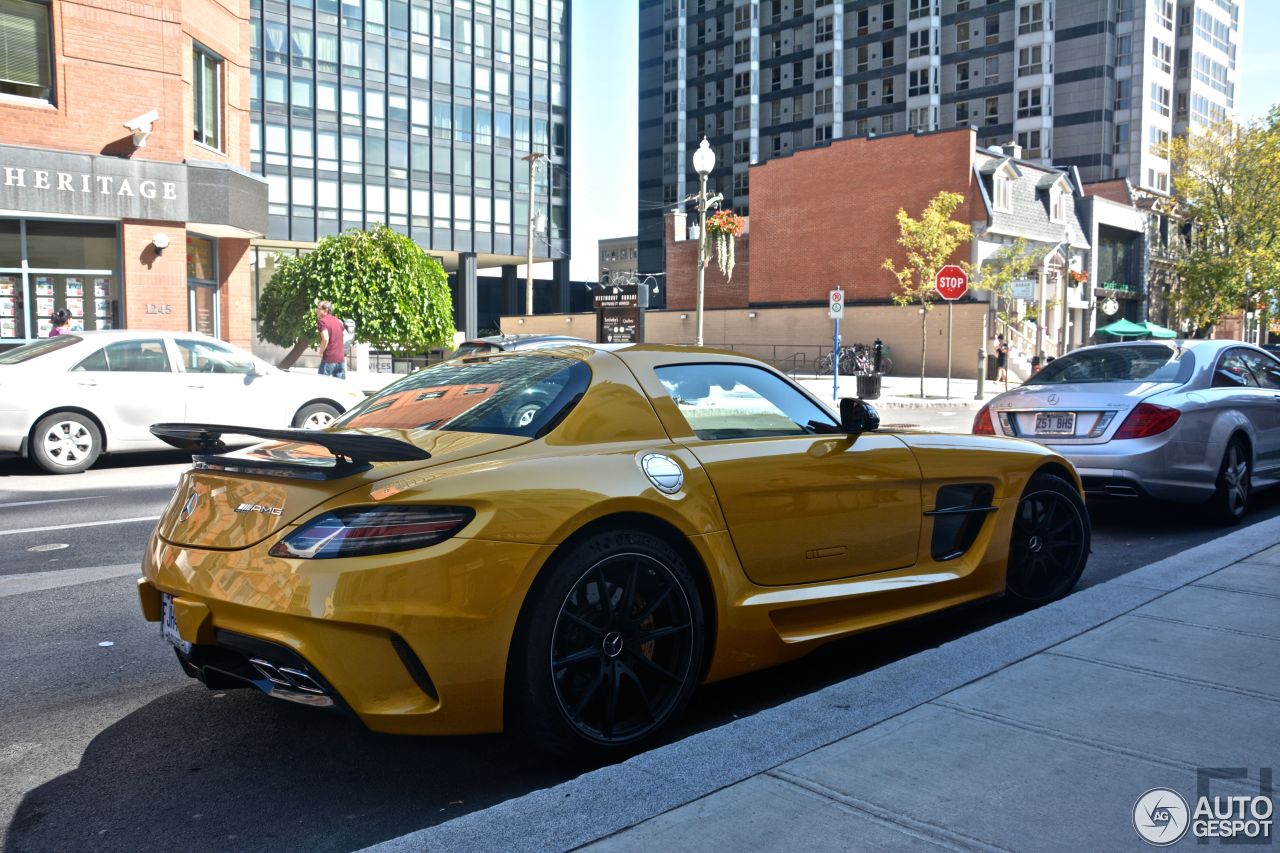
419, 114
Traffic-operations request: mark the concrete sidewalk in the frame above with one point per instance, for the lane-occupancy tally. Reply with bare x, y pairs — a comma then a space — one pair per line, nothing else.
1038, 733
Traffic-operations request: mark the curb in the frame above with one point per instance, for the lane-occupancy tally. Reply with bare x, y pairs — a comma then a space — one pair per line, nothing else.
610, 799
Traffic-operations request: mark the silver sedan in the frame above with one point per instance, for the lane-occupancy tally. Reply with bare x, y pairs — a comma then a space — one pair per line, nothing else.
66, 400
1186, 421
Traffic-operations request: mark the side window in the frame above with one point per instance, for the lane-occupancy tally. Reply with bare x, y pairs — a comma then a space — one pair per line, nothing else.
1266, 370
1232, 371
204, 357
129, 357
740, 401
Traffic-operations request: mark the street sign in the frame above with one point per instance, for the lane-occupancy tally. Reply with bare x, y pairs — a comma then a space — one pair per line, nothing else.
835, 305
1024, 288
951, 282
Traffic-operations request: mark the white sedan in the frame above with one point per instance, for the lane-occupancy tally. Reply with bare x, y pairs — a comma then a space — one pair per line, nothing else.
66, 400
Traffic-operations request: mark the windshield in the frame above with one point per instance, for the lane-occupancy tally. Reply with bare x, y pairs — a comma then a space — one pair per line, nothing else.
505, 394
1134, 363
26, 352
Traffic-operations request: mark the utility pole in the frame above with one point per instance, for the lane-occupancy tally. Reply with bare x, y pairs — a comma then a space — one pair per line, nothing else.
704, 160
532, 159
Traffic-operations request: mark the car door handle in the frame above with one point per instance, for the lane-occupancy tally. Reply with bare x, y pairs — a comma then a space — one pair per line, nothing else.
86, 382
195, 384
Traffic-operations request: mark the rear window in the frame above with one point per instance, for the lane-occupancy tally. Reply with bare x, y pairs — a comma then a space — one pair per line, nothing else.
474, 348
506, 394
1134, 363
26, 352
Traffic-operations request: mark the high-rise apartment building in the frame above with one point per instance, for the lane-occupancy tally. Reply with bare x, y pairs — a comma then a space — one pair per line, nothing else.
419, 114
1095, 84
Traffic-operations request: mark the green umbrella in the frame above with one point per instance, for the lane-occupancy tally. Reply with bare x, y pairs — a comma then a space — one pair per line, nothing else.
1124, 329
1158, 331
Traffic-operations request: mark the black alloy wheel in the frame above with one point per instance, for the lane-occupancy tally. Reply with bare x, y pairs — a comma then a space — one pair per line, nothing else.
1049, 545
613, 647
1234, 484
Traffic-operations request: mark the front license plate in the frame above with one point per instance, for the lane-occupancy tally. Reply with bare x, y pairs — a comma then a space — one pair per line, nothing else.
169, 625
1055, 423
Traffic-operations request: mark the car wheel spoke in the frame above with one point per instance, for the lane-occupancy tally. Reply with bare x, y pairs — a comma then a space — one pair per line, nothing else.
589, 693
648, 662
582, 623
658, 634
589, 653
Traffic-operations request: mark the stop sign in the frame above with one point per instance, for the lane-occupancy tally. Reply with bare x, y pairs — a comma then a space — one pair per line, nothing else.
951, 282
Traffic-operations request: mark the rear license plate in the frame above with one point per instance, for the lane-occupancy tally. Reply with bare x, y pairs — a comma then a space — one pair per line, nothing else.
1055, 423
169, 625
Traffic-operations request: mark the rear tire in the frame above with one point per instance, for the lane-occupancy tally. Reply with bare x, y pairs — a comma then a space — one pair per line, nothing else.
315, 416
609, 647
1049, 545
1230, 502
65, 443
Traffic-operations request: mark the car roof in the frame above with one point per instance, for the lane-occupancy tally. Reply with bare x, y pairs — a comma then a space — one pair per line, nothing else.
135, 334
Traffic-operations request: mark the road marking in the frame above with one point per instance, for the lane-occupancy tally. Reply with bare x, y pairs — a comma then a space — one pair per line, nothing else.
52, 501
37, 581
81, 524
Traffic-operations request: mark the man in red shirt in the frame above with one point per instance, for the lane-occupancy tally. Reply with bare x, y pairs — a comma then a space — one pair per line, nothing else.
333, 360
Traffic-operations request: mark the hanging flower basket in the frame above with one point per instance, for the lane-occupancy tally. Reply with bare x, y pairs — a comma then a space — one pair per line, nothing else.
1079, 276
724, 226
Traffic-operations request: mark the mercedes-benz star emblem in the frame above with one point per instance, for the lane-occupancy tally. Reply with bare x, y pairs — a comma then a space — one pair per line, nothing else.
1053, 399
190, 506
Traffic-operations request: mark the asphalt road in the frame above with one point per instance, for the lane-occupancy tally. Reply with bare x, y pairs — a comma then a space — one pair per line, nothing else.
106, 745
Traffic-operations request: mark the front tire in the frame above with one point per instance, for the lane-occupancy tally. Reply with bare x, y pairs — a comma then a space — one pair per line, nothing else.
609, 649
65, 443
315, 416
1235, 484
1049, 545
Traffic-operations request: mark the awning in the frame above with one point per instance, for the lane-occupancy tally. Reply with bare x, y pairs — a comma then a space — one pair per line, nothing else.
1158, 331
1124, 329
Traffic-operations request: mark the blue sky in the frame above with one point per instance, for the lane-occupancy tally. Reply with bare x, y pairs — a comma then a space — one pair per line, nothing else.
604, 112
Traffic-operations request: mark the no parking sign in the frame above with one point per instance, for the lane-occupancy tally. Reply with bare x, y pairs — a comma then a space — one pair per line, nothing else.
835, 305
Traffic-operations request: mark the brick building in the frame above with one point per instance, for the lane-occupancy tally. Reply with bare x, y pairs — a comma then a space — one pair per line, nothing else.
123, 191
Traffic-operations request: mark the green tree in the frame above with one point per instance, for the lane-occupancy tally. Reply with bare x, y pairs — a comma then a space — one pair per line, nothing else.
1227, 181
929, 243
396, 294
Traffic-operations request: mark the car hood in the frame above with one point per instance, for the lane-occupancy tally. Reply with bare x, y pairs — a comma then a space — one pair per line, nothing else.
221, 510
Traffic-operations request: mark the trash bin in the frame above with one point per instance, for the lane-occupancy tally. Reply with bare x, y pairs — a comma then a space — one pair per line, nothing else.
869, 386
992, 369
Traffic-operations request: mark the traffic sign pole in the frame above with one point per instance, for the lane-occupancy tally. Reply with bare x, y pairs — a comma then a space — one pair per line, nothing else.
835, 310
951, 282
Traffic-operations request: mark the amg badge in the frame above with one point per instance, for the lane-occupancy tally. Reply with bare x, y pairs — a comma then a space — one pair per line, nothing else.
265, 510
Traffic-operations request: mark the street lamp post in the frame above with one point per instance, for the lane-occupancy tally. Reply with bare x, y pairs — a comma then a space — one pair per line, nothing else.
704, 160
532, 159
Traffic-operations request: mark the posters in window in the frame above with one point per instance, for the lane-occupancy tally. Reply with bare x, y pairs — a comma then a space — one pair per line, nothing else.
102, 287
75, 306
75, 287
8, 285
44, 285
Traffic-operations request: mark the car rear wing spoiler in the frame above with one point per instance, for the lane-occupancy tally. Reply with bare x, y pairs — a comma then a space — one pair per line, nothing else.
352, 451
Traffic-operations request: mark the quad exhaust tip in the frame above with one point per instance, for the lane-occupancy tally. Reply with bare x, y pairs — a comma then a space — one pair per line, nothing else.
291, 684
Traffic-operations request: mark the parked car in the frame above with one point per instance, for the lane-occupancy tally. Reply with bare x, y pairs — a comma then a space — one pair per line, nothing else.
66, 400
508, 343
670, 516
1187, 421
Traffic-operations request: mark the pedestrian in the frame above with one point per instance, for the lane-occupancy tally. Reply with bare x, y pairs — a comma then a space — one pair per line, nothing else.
333, 360
1002, 359
61, 320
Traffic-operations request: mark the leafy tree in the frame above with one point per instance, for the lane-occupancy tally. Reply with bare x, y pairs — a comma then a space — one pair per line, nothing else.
396, 294
929, 243
1228, 183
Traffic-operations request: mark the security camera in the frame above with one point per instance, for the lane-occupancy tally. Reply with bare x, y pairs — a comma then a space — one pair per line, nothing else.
141, 127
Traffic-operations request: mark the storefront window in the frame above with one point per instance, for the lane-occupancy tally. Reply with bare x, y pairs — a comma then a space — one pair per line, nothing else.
202, 285
68, 265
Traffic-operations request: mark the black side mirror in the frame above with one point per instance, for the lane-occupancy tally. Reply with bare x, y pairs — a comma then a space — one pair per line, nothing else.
857, 415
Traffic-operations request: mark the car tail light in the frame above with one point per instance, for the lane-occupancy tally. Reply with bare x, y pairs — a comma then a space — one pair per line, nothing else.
372, 530
982, 422
1147, 419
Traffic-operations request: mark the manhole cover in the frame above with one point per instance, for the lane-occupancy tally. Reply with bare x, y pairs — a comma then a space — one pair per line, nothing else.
56, 546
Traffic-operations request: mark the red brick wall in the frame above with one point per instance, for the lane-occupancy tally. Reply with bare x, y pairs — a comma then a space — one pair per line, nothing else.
236, 292
682, 271
827, 216
117, 59
151, 279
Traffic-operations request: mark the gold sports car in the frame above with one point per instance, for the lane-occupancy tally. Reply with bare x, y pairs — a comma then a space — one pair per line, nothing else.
567, 541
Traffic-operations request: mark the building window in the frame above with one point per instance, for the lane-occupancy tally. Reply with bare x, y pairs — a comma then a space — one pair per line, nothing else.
1124, 94
1031, 18
1029, 103
920, 118
886, 90
1029, 142
1164, 13
1121, 141
992, 111
206, 86
1161, 56
1159, 140
1057, 205
822, 133
962, 76
202, 285
1158, 180
25, 63
1000, 191
1124, 50
919, 9
886, 53
742, 84
1160, 99
993, 29
962, 114
860, 96
825, 29
822, 65
886, 124
920, 82
918, 43
886, 16
1030, 60
962, 35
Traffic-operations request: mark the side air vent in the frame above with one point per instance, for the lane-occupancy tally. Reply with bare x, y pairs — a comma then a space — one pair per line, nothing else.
961, 510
